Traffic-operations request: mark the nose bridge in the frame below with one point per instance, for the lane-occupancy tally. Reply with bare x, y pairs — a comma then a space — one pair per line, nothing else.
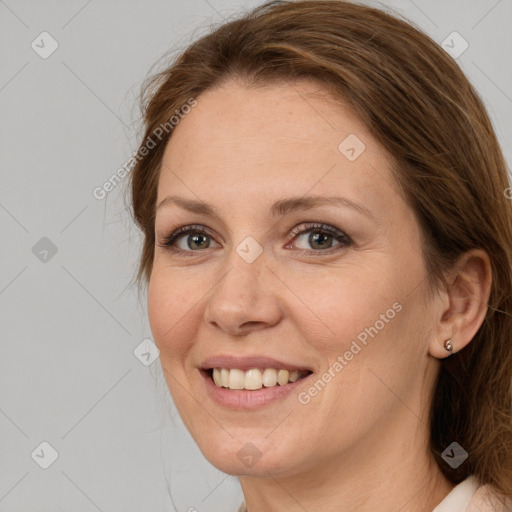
243, 294
242, 277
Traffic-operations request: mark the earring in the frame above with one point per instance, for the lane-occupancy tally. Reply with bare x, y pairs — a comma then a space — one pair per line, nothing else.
448, 345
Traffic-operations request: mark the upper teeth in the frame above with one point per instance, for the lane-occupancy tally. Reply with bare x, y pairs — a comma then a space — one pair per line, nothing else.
254, 378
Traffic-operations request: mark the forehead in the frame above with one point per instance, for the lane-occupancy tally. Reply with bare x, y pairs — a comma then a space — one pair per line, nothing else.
292, 137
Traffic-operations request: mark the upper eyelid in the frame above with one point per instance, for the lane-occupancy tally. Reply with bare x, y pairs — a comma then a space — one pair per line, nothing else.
306, 226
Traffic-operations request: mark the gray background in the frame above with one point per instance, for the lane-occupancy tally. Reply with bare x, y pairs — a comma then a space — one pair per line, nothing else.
68, 374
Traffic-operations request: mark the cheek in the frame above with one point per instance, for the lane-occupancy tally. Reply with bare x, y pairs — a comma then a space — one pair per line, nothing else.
172, 308
382, 351
347, 301
367, 318
171, 318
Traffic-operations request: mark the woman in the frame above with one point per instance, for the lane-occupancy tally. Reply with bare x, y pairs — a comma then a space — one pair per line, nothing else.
327, 248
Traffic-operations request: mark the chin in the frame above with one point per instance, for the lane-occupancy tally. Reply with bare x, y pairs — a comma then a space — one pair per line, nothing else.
246, 455
250, 437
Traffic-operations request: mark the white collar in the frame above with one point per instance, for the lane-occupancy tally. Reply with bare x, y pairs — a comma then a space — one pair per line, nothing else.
460, 496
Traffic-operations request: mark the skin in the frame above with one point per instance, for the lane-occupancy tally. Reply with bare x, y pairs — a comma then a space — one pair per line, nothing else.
363, 440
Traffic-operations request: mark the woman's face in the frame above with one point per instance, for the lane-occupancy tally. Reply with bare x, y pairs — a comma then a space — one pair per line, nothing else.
283, 278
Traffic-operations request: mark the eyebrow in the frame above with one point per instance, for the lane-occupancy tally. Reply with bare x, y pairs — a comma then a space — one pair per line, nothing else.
279, 208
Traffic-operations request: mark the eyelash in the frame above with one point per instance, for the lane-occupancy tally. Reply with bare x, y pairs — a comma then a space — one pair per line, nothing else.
343, 239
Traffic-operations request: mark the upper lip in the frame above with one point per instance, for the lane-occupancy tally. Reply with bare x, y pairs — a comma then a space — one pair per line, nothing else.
248, 362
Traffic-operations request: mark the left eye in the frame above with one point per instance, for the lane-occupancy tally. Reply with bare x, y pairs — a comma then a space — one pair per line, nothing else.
321, 236
316, 239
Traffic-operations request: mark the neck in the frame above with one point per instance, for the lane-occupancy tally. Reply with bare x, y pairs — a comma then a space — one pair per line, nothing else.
385, 472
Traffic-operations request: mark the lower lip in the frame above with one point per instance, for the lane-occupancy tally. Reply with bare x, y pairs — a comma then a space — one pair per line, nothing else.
245, 399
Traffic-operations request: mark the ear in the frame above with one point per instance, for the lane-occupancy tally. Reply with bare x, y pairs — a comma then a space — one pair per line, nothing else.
463, 305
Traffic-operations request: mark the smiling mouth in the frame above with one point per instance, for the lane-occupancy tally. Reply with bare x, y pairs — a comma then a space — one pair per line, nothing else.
254, 378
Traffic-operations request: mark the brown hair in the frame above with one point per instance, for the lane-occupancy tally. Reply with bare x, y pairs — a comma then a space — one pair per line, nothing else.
417, 102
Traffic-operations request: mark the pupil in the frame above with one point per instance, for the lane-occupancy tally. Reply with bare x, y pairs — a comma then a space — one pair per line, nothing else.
194, 238
313, 238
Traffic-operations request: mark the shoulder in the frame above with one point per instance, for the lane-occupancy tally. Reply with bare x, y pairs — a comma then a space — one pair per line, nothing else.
472, 496
485, 499
481, 499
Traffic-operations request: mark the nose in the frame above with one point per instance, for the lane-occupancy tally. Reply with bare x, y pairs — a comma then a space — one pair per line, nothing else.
245, 298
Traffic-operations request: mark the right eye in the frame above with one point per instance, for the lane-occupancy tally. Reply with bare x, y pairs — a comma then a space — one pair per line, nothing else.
195, 238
